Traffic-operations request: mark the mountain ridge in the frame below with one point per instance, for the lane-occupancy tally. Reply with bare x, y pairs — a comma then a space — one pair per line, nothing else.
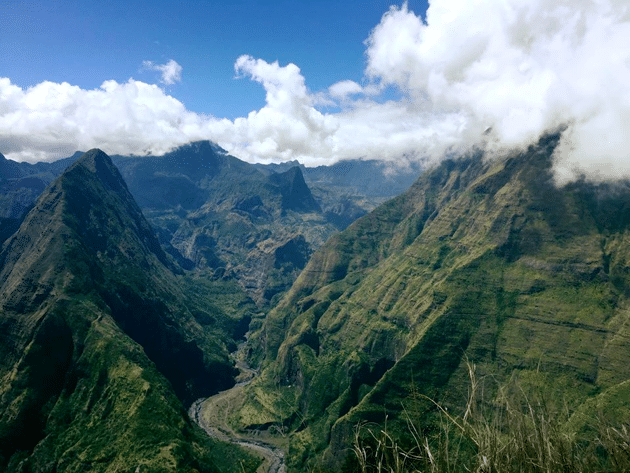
481, 260
98, 337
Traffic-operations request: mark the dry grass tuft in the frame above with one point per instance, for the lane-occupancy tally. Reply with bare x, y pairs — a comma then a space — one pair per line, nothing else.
522, 434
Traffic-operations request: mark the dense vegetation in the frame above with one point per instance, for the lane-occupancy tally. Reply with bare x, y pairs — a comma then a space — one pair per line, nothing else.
482, 259
515, 432
104, 342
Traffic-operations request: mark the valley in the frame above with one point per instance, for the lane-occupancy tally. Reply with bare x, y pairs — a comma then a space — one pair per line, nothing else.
88, 274
213, 416
315, 237
268, 321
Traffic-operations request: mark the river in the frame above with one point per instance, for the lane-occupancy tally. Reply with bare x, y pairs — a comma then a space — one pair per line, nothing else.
212, 413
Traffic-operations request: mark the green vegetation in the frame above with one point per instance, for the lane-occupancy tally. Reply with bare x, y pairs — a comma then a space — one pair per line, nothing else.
484, 260
514, 432
481, 262
104, 341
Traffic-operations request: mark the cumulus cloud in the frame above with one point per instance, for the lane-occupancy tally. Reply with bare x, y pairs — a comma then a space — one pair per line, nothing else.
515, 68
344, 88
53, 120
290, 126
520, 68
171, 71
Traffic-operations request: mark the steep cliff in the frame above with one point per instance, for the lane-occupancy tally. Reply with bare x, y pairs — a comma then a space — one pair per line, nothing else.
482, 261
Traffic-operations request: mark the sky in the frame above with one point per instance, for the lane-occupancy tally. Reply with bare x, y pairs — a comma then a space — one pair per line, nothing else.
318, 81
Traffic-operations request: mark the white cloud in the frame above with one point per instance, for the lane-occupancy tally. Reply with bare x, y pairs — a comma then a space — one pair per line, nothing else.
521, 68
171, 71
518, 68
343, 89
54, 120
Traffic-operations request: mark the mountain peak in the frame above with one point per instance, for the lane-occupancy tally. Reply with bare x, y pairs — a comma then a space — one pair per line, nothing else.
90, 201
9, 169
93, 156
296, 194
97, 162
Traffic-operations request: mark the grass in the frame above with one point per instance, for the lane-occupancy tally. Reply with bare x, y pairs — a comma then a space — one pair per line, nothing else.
519, 433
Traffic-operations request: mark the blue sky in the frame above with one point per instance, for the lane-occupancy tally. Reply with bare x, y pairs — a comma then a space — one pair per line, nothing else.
86, 43
318, 81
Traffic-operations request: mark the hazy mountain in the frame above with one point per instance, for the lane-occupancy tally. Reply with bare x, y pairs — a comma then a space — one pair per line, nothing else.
369, 177
223, 216
103, 340
347, 189
229, 219
481, 261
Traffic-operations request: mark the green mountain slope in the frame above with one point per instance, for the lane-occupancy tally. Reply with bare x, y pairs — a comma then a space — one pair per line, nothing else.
103, 341
481, 261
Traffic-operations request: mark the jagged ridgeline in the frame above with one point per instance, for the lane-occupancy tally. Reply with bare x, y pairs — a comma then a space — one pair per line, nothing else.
212, 212
225, 217
483, 262
103, 341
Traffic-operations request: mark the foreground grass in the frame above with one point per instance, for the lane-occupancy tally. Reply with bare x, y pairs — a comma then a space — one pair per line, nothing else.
522, 434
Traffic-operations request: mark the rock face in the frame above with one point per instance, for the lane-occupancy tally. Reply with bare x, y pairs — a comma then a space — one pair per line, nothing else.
481, 261
295, 194
99, 342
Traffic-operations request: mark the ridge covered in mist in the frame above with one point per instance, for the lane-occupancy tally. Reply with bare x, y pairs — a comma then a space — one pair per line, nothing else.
481, 261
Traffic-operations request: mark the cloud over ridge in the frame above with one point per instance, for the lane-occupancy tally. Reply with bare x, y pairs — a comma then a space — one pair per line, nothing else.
515, 68
520, 68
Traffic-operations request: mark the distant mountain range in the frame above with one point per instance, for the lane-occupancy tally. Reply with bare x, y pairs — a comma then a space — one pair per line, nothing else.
215, 213
370, 178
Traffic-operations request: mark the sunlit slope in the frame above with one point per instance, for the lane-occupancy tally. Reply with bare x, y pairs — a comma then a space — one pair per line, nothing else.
481, 261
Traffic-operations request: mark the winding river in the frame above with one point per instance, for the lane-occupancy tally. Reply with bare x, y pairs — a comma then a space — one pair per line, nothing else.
211, 414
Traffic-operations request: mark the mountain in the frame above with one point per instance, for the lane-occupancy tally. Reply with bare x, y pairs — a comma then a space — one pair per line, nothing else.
375, 179
104, 340
295, 194
227, 219
481, 262
20, 186
224, 217
348, 189
367, 177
